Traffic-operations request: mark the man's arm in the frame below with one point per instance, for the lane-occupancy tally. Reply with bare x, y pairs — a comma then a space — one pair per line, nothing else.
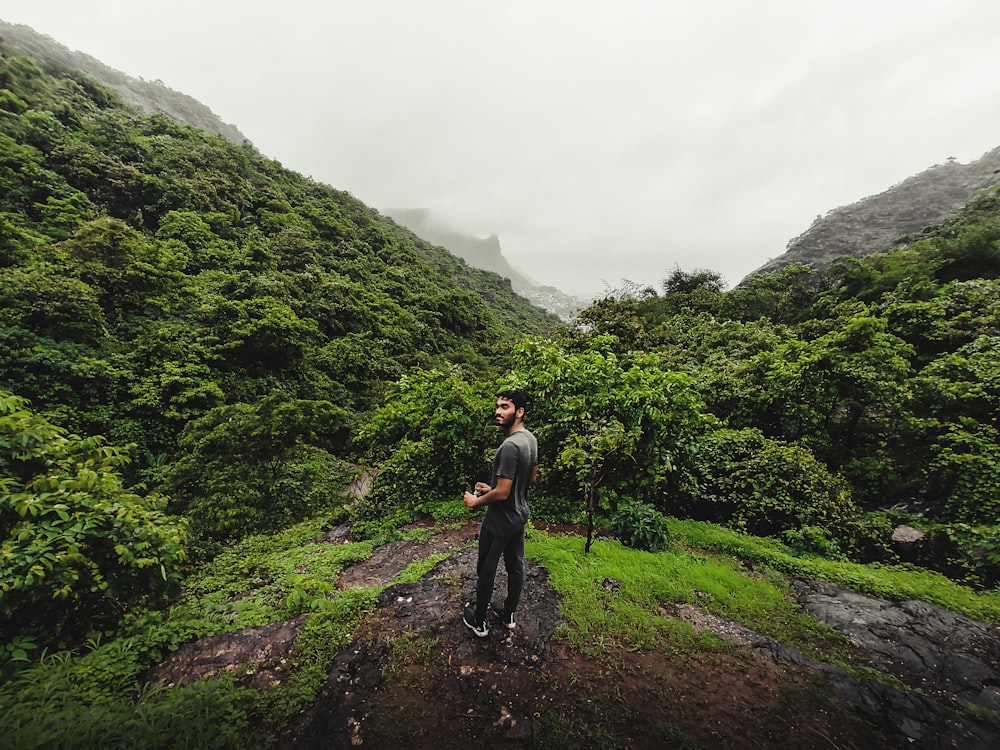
498, 494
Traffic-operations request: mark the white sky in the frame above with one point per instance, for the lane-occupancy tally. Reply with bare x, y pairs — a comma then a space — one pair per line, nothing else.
602, 140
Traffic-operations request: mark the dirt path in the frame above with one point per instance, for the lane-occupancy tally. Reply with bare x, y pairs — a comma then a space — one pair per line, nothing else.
417, 678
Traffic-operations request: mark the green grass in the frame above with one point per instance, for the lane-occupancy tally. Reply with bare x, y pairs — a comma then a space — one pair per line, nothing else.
599, 619
69, 699
888, 582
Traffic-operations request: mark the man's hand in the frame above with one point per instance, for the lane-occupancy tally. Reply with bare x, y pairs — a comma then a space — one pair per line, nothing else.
486, 495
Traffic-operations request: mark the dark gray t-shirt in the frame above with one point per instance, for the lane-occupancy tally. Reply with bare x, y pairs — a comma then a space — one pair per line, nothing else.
515, 459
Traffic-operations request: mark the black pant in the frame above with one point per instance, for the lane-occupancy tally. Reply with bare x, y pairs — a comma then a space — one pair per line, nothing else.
491, 547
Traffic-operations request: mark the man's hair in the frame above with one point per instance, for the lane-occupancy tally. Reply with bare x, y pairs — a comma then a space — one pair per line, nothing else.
516, 397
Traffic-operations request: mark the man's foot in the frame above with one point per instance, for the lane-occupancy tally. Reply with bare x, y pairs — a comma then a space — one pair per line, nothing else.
480, 629
507, 618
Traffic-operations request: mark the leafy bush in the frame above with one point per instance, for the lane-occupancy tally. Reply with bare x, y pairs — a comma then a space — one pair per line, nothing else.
763, 486
433, 438
976, 552
75, 704
813, 540
641, 526
964, 552
248, 468
75, 547
557, 508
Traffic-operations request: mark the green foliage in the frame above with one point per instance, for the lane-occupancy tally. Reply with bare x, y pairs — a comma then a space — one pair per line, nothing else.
640, 526
964, 552
155, 279
813, 540
889, 582
556, 507
248, 468
608, 426
46, 303
976, 553
89, 700
75, 547
779, 297
76, 704
431, 438
764, 486
627, 615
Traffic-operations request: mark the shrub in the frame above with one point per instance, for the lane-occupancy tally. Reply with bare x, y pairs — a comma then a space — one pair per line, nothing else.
75, 547
640, 526
813, 540
250, 468
763, 486
431, 439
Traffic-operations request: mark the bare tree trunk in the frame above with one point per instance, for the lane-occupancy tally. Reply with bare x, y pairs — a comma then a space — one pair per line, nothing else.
591, 499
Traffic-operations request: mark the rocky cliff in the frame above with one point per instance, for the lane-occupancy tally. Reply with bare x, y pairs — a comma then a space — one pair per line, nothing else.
880, 222
485, 253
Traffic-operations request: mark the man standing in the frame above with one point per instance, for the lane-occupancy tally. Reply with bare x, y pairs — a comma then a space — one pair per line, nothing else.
515, 467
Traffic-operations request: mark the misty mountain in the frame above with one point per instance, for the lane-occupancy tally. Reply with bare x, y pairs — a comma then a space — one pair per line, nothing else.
880, 222
154, 97
481, 252
150, 97
485, 253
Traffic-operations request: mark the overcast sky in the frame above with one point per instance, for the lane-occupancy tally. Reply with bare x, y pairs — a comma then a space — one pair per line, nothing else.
601, 141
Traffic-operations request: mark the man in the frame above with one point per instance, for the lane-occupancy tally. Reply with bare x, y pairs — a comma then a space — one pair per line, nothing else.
515, 467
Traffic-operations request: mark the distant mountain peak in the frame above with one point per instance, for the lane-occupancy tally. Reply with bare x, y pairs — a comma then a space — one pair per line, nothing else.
150, 97
484, 253
880, 222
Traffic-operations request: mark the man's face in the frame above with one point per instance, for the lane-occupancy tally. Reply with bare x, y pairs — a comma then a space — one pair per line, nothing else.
505, 413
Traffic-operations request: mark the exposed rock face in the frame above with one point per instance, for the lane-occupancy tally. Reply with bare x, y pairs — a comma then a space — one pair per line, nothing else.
948, 663
481, 252
879, 222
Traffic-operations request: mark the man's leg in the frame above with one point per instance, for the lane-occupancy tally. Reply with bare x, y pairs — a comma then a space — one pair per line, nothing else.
491, 547
513, 560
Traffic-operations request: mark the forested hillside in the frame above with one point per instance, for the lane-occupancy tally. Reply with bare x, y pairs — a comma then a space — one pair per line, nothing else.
878, 223
852, 414
229, 320
149, 97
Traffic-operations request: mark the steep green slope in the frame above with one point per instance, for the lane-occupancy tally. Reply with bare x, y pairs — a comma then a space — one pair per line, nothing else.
153, 275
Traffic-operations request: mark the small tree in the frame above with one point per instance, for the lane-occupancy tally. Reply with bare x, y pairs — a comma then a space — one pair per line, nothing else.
608, 425
432, 436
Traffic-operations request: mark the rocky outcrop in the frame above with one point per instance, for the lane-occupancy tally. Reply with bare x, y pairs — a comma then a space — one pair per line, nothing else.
947, 664
880, 222
485, 253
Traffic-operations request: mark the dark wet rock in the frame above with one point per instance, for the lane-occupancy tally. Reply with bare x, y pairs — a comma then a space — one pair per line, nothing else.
433, 607
949, 663
256, 654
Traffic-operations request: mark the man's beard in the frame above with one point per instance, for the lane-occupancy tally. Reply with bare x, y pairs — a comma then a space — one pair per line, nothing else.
505, 423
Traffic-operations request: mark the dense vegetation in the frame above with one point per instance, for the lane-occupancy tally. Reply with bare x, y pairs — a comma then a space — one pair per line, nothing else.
822, 410
199, 348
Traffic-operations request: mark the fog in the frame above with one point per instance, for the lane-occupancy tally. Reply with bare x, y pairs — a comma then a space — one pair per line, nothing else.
600, 141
